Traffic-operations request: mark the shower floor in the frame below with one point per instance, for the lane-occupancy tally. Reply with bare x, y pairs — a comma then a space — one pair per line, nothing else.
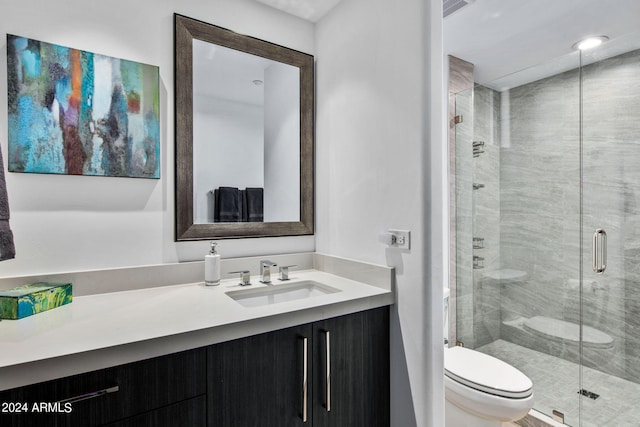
556, 386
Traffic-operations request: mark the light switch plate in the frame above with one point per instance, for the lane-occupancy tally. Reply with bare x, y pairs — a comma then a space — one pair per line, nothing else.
400, 239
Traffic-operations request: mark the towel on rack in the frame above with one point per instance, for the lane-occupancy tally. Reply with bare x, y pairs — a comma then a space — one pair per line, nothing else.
244, 217
254, 198
7, 246
228, 205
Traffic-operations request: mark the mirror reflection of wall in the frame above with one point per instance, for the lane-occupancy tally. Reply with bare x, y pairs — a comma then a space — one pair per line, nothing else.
246, 130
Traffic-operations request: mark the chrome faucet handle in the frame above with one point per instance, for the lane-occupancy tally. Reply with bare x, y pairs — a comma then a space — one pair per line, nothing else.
265, 270
245, 276
284, 271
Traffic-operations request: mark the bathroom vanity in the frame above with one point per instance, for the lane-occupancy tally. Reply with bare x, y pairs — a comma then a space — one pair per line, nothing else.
192, 355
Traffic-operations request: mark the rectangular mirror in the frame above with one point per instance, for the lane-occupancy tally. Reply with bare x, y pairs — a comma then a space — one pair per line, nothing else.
244, 135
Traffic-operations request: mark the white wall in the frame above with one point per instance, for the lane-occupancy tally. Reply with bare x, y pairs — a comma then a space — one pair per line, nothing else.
381, 164
281, 133
228, 131
70, 223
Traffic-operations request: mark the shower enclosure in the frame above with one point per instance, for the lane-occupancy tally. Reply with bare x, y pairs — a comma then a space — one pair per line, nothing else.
546, 199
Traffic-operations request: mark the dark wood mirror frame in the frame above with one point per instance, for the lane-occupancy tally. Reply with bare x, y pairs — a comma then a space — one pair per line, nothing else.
187, 29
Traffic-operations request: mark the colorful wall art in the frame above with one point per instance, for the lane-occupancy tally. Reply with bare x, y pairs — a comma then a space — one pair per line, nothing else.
79, 113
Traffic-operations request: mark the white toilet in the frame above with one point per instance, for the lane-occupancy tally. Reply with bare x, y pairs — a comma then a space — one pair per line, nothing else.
482, 391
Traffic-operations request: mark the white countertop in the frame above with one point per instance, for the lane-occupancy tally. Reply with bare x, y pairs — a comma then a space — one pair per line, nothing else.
101, 330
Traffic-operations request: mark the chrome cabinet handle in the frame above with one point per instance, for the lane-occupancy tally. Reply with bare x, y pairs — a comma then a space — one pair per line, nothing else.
91, 395
327, 337
305, 366
599, 254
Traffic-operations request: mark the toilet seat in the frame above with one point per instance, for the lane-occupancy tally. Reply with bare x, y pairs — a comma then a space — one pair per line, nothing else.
485, 373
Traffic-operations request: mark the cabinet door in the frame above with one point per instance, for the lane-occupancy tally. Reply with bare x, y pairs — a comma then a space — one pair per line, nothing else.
356, 391
260, 380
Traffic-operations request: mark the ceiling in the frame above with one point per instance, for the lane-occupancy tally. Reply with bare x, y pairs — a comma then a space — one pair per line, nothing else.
501, 37
311, 10
224, 73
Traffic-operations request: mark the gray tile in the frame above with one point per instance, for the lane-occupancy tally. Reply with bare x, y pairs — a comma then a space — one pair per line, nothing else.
556, 385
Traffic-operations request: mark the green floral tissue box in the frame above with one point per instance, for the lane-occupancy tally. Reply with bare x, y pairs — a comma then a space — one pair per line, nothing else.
31, 299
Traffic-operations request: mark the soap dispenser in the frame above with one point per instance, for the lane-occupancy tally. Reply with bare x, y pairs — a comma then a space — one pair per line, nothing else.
212, 267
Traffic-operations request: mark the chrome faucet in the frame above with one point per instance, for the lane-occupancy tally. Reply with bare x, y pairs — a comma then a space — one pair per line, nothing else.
265, 270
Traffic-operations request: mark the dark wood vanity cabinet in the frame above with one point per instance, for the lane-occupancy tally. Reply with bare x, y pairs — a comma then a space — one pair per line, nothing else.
274, 379
164, 391
261, 381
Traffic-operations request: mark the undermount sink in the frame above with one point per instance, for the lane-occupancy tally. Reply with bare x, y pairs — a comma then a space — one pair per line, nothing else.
275, 294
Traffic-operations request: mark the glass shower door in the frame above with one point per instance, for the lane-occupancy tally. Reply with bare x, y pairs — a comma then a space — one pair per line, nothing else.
610, 224
462, 163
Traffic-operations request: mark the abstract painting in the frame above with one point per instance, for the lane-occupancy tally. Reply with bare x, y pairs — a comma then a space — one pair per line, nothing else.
79, 113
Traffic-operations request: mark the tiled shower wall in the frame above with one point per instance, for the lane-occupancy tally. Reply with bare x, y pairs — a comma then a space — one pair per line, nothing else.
540, 199
477, 216
612, 201
486, 214
529, 210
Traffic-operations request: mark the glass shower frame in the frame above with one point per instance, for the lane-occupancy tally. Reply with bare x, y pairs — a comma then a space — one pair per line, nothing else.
579, 178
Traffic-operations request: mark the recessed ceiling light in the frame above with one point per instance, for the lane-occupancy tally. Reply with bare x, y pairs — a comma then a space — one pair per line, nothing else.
590, 42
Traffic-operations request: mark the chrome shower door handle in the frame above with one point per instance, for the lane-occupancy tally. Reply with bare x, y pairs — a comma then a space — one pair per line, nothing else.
599, 254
